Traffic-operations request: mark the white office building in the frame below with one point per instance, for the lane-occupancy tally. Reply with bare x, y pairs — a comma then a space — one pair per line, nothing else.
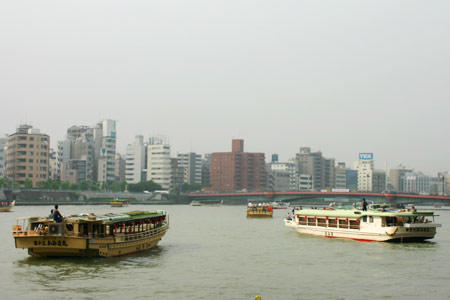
135, 160
158, 162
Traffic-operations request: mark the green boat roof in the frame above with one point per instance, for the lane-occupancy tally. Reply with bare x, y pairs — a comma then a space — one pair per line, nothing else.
116, 217
356, 213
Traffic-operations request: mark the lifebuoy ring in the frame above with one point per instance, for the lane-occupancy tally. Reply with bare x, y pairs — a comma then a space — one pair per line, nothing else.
394, 232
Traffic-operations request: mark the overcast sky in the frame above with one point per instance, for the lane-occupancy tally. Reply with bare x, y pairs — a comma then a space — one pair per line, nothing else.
339, 76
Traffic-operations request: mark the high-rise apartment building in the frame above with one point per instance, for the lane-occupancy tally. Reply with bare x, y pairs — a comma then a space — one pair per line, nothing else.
27, 156
206, 167
305, 182
283, 176
415, 183
340, 181
379, 181
105, 150
76, 155
237, 170
396, 178
314, 164
3, 142
54, 173
135, 161
192, 166
177, 177
352, 180
119, 168
158, 162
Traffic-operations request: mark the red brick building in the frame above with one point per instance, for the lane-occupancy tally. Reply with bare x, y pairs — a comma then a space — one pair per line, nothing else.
237, 170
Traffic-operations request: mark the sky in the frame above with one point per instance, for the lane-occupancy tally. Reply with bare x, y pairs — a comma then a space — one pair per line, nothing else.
341, 77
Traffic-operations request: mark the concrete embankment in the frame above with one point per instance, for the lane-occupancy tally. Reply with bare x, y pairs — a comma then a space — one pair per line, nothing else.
48, 197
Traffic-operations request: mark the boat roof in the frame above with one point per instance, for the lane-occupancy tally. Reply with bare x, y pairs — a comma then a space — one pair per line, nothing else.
108, 217
356, 213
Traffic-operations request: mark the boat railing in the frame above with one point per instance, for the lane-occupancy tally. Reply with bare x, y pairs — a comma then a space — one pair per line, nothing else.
121, 237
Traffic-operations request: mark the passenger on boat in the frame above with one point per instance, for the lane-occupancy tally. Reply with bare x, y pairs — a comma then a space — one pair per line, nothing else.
413, 209
51, 214
364, 205
57, 215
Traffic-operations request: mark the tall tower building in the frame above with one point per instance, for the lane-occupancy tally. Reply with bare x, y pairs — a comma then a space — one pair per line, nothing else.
28, 156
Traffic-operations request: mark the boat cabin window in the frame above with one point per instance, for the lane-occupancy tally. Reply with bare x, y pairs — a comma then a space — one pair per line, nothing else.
69, 227
370, 219
364, 219
391, 221
83, 229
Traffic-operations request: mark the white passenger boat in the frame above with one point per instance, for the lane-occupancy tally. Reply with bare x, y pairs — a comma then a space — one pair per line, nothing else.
206, 203
279, 205
372, 225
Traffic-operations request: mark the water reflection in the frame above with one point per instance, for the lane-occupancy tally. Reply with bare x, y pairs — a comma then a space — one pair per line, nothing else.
51, 272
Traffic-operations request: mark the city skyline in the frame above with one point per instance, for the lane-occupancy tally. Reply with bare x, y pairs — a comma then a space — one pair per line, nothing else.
341, 77
283, 155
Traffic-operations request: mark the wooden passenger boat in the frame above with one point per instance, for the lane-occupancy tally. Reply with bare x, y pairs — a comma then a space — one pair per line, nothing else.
105, 235
6, 206
259, 211
372, 225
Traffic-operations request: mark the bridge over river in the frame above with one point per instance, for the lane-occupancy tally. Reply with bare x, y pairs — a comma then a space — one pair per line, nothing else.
320, 197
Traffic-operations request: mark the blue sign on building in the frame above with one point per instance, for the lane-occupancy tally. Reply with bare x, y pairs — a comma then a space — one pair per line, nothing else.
366, 156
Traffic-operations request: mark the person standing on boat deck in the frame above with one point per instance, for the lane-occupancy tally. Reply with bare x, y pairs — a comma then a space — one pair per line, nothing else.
364, 204
57, 215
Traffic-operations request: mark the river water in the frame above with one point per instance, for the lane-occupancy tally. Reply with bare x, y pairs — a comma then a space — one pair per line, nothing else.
217, 253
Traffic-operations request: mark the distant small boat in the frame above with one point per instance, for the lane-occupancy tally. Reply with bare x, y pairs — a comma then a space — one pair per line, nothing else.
259, 211
280, 205
119, 203
206, 203
6, 206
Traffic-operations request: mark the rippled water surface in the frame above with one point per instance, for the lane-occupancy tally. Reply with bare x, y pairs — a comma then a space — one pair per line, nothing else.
217, 253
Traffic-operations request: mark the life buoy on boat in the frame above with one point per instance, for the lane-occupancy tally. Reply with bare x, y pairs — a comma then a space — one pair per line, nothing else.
393, 232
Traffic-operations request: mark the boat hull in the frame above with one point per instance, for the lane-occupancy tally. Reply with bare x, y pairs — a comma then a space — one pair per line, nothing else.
259, 215
398, 233
54, 246
6, 208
